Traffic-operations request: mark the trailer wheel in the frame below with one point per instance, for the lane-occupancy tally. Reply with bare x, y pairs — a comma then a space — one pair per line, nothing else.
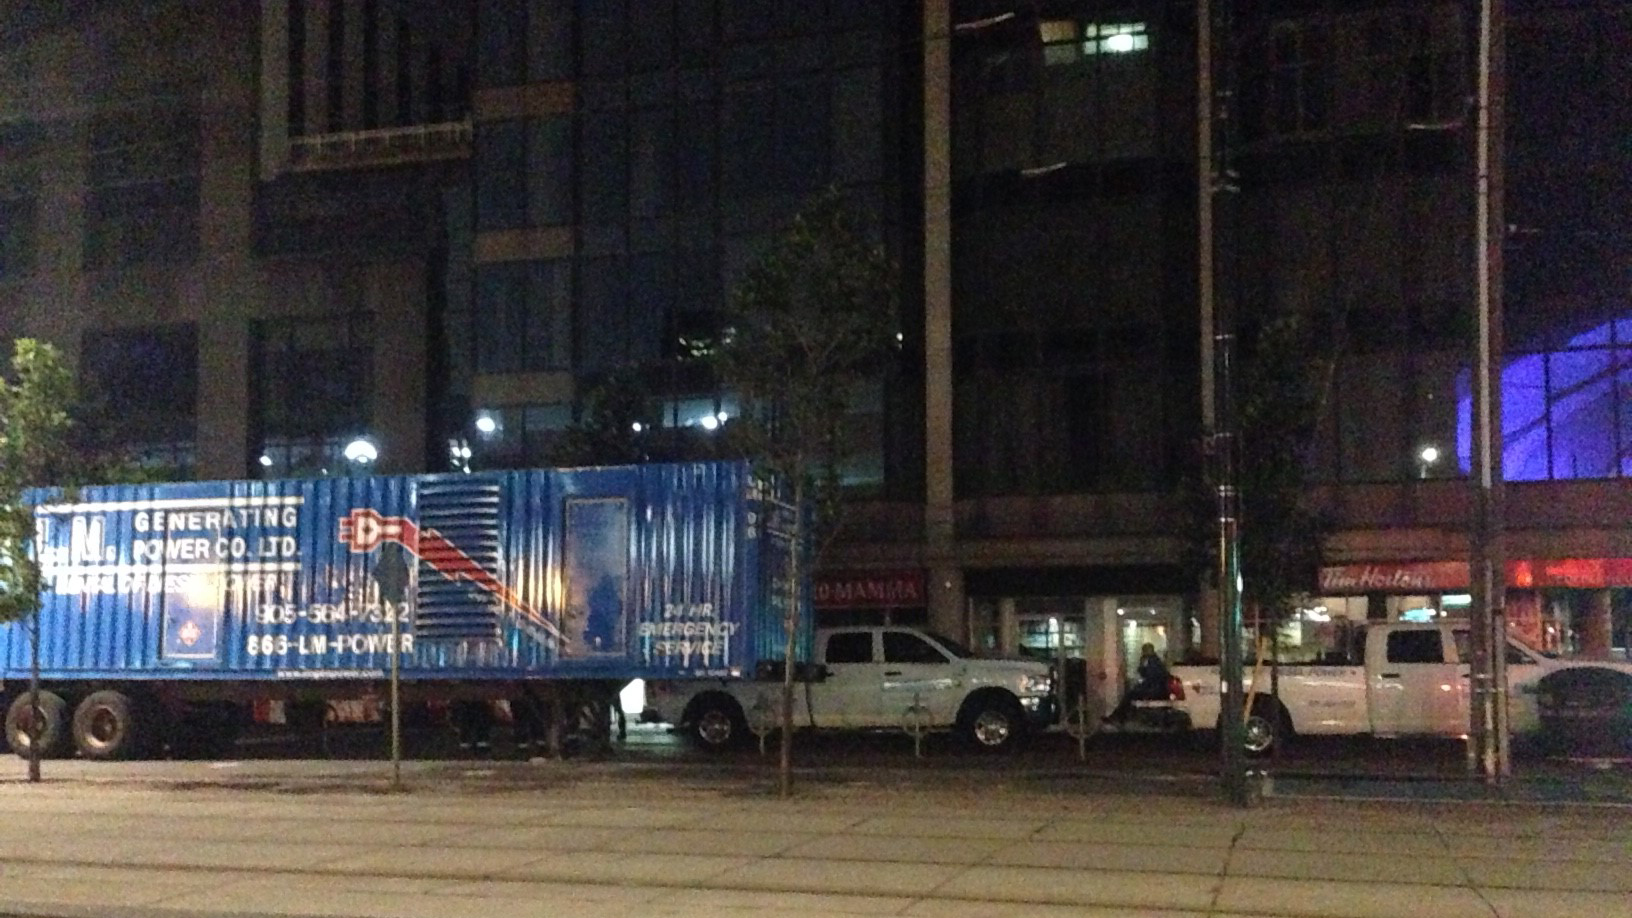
716, 722
51, 732
106, 727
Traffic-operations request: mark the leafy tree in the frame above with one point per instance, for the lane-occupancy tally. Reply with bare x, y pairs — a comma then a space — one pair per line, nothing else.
1281, 379
36, 450
613, 425
811, 320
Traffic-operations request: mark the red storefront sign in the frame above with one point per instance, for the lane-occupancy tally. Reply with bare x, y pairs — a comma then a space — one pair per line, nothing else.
869, 590
1438, 576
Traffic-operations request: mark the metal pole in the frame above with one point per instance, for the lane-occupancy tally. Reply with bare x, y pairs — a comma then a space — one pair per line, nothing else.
1492, 233
36, 729
393, 609
1231, 715
1217, 411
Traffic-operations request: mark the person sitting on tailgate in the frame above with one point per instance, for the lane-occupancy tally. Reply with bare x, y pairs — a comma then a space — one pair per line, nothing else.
1151, 685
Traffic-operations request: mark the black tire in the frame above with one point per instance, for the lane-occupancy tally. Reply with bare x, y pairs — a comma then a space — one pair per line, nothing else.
53, 729
107, 727
1265, 729
716, 723
992, 723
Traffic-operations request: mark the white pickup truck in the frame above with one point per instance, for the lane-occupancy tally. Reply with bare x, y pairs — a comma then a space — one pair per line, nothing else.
869, 678
1397, 679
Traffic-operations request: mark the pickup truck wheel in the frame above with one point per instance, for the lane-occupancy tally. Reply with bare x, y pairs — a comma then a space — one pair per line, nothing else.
993, 725
105, 727
1264, 727
717, 723
51, 732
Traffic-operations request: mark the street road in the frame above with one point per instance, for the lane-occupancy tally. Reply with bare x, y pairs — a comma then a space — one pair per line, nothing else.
1148, 754
677, 839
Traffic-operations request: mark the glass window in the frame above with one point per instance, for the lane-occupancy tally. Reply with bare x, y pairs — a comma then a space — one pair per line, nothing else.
502, 28
651, 163
601, 28
549, 172
311, 392
603, 167
694, 155
745, 139
549, 42
1581, 408
858, 134
602, 305
850, 647
142, 386
1060, 41
143, 176
501, 168
651, 35
1416, 646
17, 232
905, 647
522, 316
802, 134
1114, 38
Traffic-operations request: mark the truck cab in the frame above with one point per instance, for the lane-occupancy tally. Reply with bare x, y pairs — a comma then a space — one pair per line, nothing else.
1385, 679
872, 678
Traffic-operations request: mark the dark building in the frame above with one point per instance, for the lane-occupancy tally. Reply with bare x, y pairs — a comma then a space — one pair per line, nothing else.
264, 230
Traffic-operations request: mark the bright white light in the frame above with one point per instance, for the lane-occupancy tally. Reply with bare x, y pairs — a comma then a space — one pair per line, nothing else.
1121, 611
266, 460
637, 427
361, 451
1429, 454
1120, 44
486, 423
709, 422
722, 417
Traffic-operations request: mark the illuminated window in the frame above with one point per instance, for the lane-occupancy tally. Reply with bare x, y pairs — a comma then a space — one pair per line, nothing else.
1114, 38
1065, 41
1060, 41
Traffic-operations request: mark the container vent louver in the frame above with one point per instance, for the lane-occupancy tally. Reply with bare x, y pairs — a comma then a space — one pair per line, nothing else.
466, 514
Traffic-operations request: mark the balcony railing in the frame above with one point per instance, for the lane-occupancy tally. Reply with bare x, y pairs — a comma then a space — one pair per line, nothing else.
380, 146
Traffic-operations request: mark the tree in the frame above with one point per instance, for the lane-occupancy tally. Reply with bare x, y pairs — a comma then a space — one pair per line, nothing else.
1282, 378
612, 427
809, 322
36, 450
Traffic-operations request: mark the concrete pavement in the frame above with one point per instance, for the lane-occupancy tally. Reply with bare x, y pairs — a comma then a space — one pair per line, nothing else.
604, 841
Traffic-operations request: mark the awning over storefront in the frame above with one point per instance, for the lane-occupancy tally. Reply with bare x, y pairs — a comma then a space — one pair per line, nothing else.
1437, 576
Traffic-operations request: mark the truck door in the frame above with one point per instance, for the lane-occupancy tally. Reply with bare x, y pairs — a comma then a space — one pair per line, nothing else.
848, 697
1524, 671
1413, 687
917, 672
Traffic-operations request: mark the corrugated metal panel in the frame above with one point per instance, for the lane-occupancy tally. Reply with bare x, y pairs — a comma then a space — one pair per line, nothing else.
654, 570
457, 512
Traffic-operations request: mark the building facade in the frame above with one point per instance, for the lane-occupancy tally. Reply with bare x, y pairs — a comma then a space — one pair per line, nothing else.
264, 230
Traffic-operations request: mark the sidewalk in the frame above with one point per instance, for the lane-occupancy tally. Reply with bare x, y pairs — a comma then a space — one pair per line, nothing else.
614, 842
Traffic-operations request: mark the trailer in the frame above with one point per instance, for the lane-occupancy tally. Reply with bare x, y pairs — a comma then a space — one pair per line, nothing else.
174, 610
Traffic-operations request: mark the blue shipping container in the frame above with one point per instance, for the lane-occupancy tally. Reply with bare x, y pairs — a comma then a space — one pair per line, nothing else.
649, 571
